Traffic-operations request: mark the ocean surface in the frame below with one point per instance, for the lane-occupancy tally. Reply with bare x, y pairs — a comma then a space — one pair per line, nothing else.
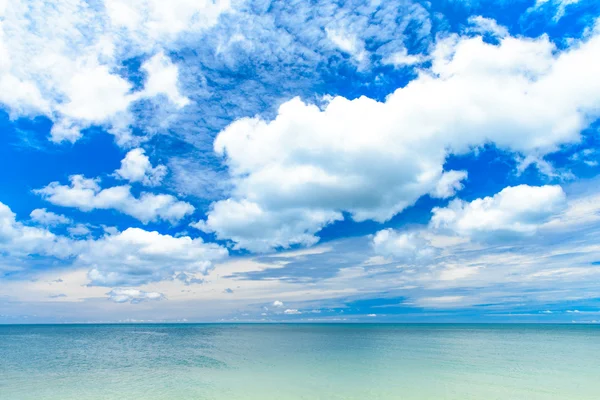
353, 361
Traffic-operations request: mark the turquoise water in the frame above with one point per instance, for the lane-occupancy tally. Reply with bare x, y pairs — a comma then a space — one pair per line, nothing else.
407, 362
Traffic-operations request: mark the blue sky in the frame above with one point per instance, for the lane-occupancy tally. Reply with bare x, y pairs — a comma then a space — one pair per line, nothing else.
299, 161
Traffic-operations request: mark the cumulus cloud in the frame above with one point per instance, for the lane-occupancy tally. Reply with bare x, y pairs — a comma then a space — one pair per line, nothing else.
136, 167
277, 303
292, 311
252, 227
61, 58
86, 195
136, 256
515, 210
48, 218
18, 240
133, 296
162, 79
449, 183
514, 216
373, 159
132, 257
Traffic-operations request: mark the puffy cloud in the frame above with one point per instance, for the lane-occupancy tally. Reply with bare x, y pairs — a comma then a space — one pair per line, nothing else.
62, 58
86, 195
95, 94
292, 311
277, 303
373, 159
48, 218
136, 167
133, 296
514, 210
513, 215
449, 183
552, 266
254, 228
18, 240
162, 79
136, 256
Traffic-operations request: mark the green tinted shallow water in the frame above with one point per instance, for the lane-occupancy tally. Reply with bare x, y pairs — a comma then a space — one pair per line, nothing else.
300, 362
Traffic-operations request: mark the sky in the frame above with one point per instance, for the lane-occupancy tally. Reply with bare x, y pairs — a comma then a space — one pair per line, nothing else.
299, 161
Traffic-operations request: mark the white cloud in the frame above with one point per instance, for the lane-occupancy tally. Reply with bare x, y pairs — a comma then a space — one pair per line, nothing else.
555, 265
487, 25
442, 302
348, 42
457, 272
449, 183
406, 246
514, 210
79, 230
373, 159
132, 257
257, 229
292, 311
133, 296
86, 195
580, 211
155, 21
18, 240
48, 218
559, 5
544, 237
402, 58
95, 94
162, 79
588, 156
136, 256
61, 58
277, 303
136, 167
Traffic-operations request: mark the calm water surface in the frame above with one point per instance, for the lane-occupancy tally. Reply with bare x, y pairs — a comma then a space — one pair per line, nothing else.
410, 362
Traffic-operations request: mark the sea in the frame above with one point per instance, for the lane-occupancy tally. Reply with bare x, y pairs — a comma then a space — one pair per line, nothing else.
299, 361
